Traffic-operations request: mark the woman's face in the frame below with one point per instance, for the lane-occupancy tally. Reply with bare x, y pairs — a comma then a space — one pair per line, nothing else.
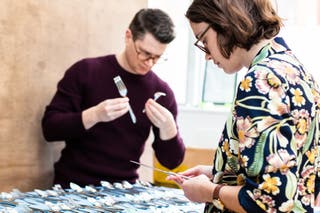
209, 40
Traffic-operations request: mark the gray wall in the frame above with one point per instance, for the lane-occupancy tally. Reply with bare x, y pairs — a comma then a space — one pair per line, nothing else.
40, 39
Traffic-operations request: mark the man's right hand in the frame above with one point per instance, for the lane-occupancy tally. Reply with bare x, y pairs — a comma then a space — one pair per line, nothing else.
105, 111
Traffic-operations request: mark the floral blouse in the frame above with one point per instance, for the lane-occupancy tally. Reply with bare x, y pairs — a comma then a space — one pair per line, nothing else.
269, 143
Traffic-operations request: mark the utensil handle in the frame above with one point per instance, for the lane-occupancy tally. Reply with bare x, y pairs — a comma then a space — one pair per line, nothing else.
133, 117
176, 174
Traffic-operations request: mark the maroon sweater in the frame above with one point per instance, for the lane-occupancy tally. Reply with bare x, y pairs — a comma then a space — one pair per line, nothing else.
103, 152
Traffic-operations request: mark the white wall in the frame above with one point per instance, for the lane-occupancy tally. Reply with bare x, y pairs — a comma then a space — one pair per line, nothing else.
39, 41
201, 128
198, 128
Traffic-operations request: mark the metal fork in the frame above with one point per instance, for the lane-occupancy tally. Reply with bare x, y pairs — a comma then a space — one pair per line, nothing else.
123, 92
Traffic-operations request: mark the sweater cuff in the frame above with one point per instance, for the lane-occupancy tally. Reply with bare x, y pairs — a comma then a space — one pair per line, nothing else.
170, 153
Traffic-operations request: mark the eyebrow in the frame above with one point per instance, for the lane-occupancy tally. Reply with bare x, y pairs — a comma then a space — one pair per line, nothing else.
141, 49
200, 35
197, 36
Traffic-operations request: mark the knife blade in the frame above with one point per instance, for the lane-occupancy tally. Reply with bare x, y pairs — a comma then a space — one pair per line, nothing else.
160, 170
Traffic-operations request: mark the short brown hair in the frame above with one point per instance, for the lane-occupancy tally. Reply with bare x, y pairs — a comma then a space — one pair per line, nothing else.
154, 21
238, 23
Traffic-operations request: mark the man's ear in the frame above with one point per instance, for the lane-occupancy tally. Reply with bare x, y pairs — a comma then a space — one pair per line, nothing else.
128, 35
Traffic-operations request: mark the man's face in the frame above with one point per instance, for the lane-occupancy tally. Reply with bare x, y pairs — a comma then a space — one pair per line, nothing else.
143, 53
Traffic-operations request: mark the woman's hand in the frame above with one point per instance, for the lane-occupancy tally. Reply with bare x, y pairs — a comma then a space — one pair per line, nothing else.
192, 172
317, 203
198, 189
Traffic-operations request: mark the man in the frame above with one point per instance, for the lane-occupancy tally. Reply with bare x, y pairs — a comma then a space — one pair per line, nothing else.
89, 114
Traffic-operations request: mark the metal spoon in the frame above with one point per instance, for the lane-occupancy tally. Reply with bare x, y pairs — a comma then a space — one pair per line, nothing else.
156, 96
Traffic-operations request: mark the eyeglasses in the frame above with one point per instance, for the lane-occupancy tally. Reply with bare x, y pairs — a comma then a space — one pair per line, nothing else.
146, 56
200, 44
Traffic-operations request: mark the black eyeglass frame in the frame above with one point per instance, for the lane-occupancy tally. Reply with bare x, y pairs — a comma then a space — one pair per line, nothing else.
155, 59
203, 48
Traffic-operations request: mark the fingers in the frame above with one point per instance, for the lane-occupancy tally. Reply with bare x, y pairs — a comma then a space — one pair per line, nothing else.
153, 103
155, 116
158, 114
155, 111
117, 104
161, 118
176, 178
111, 109
116, 107
317, 200
197, 170
190, 173
115, 112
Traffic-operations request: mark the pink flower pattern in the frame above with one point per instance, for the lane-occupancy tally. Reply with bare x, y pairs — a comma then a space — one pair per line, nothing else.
273, 124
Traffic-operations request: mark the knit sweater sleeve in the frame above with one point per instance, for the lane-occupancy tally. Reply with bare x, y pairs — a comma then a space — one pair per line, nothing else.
62, 118
170, 153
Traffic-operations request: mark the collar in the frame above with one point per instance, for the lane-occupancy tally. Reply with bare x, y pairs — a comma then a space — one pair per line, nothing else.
277, 45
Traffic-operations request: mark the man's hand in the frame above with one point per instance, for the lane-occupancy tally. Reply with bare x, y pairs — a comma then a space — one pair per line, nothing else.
161, 118
105, 111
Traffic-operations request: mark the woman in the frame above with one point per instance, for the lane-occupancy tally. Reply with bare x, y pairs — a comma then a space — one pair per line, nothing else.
266, 158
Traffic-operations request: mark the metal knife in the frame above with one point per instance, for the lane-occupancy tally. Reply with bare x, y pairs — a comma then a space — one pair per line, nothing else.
160, 170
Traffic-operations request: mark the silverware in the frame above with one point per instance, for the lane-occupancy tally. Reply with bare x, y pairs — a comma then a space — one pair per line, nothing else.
156, 96
123, 92
160, 170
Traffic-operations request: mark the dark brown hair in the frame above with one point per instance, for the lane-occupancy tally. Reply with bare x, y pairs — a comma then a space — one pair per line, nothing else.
238, 23
154, 21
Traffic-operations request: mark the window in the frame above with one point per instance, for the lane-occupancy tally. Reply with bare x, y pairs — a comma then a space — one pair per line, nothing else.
175, 70
218, 87
302, 31
200, 83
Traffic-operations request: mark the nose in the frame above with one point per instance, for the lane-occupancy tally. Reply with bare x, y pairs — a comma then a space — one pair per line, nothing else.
208, 57
150, 62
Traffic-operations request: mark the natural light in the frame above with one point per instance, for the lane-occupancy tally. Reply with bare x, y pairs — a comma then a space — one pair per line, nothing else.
185, 70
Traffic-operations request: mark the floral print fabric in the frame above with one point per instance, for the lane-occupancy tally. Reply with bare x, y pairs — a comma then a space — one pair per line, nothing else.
269, 143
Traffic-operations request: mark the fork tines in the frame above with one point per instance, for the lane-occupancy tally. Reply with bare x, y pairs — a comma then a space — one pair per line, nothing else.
123, 92
120, 85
